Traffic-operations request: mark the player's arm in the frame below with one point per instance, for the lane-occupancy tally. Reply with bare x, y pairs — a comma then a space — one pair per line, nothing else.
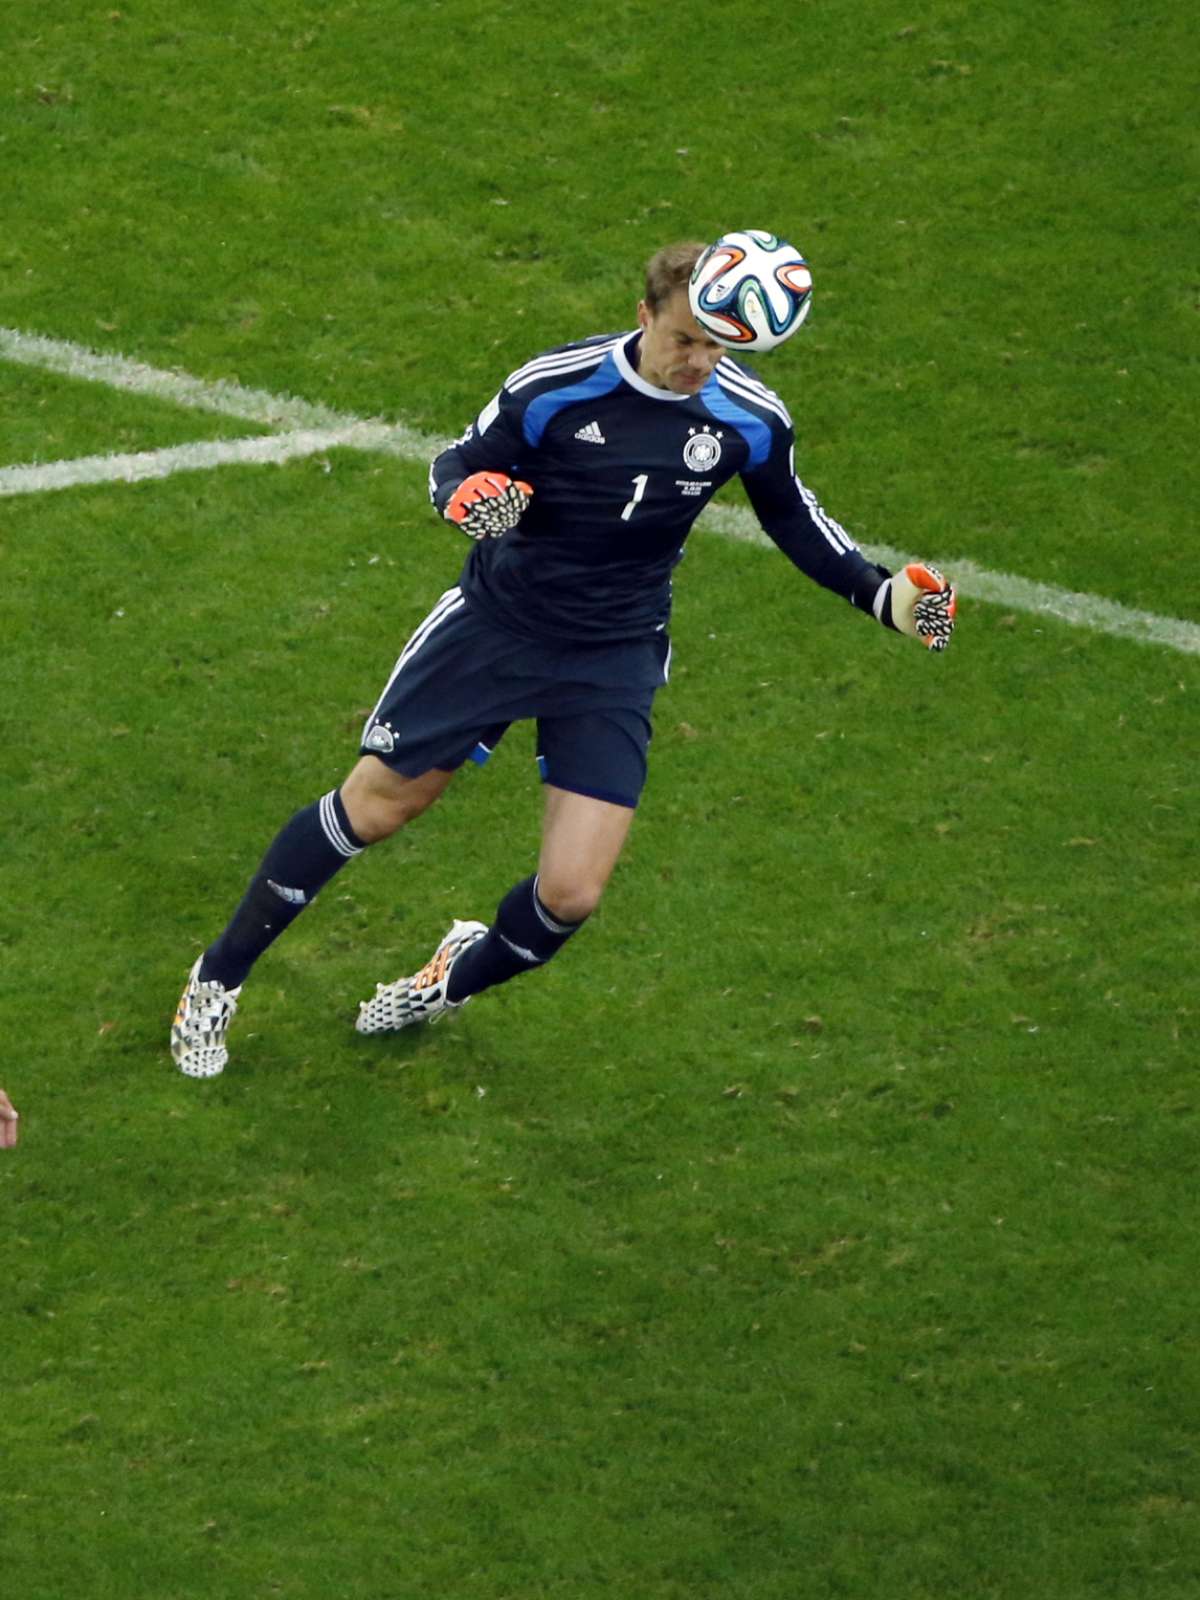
8, 1122
918, 601
472, 482
811, 539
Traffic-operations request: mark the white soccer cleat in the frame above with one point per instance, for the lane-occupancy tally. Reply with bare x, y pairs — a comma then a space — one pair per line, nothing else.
421, 998
201, 1023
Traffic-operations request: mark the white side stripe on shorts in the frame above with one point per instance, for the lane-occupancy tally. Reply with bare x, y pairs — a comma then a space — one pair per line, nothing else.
452, 601
334, 831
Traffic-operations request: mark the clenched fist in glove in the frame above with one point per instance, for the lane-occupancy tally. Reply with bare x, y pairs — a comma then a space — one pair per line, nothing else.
920, 602
487, 504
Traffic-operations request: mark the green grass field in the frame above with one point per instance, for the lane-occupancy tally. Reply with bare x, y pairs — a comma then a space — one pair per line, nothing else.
822, 1223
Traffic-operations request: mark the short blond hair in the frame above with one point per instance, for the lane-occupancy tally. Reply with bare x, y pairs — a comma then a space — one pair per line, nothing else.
669, 269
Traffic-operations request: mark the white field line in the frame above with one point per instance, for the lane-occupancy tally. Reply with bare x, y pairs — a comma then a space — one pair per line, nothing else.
262, 450
309, 429
198, 394
1003, 589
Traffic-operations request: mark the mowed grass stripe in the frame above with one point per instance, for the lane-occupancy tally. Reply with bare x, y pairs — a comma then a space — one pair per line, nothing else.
312, 427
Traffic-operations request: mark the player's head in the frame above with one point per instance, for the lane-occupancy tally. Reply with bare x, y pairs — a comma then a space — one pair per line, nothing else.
675, 352
670, 269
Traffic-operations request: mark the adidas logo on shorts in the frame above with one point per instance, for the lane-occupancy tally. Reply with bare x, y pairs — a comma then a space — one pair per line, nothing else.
591, 434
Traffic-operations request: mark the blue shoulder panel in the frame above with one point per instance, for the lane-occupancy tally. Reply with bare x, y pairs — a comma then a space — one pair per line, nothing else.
753, 429
540, 412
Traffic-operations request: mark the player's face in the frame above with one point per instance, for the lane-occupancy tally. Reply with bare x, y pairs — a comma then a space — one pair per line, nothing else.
676, 353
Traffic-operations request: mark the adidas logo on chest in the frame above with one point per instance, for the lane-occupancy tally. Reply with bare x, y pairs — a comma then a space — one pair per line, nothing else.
590, 434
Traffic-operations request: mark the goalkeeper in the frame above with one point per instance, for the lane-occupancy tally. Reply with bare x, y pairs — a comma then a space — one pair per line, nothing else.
577, 484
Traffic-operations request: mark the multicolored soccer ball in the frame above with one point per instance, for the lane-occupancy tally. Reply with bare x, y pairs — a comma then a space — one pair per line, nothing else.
750, 290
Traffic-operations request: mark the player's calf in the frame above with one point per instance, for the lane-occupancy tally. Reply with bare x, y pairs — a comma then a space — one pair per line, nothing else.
526, 934
470, 959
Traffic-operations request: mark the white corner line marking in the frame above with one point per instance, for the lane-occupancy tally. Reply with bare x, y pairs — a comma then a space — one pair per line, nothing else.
141, 465
197, 394
307, 429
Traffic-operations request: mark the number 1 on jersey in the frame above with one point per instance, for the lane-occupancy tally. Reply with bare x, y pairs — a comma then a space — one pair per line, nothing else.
639, 489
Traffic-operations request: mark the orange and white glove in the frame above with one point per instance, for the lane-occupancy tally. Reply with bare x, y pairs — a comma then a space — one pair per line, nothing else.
920, 602
487, 504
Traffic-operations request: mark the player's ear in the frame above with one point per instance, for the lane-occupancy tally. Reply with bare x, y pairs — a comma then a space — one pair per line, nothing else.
645, 315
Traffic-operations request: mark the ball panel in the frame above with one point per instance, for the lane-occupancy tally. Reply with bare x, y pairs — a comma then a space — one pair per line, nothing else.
750, 290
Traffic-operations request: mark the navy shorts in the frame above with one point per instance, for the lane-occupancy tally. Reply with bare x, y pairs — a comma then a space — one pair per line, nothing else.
463, 679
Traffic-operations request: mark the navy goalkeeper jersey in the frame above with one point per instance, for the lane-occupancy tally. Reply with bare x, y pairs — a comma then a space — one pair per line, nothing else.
620, 471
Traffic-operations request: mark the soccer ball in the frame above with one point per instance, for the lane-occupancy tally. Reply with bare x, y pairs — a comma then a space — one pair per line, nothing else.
750, 290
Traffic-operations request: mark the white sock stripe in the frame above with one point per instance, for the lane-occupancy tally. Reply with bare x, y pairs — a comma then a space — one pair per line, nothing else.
544, 916
333, 829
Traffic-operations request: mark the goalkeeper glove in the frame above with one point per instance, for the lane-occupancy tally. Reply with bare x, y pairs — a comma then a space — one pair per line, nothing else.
920, 602
487, 504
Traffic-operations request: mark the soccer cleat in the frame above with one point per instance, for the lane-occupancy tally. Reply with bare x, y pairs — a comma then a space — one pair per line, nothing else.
201, 1023
421, 998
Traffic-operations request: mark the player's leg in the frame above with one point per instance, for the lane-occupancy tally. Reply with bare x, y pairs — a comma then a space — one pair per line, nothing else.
379, 800
310, 849
594, 766
581, 843
431, 717
582, 840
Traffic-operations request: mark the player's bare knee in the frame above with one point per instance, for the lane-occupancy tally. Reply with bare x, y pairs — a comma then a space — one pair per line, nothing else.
373, 819
379, 801
570, 900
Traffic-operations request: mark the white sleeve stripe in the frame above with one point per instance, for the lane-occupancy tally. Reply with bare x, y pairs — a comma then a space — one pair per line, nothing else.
488, 415
560, 361
833, 531
756, 399
522, 381
734, 378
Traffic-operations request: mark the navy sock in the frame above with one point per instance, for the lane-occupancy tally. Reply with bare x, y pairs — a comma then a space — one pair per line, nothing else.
304, 855
523, 936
